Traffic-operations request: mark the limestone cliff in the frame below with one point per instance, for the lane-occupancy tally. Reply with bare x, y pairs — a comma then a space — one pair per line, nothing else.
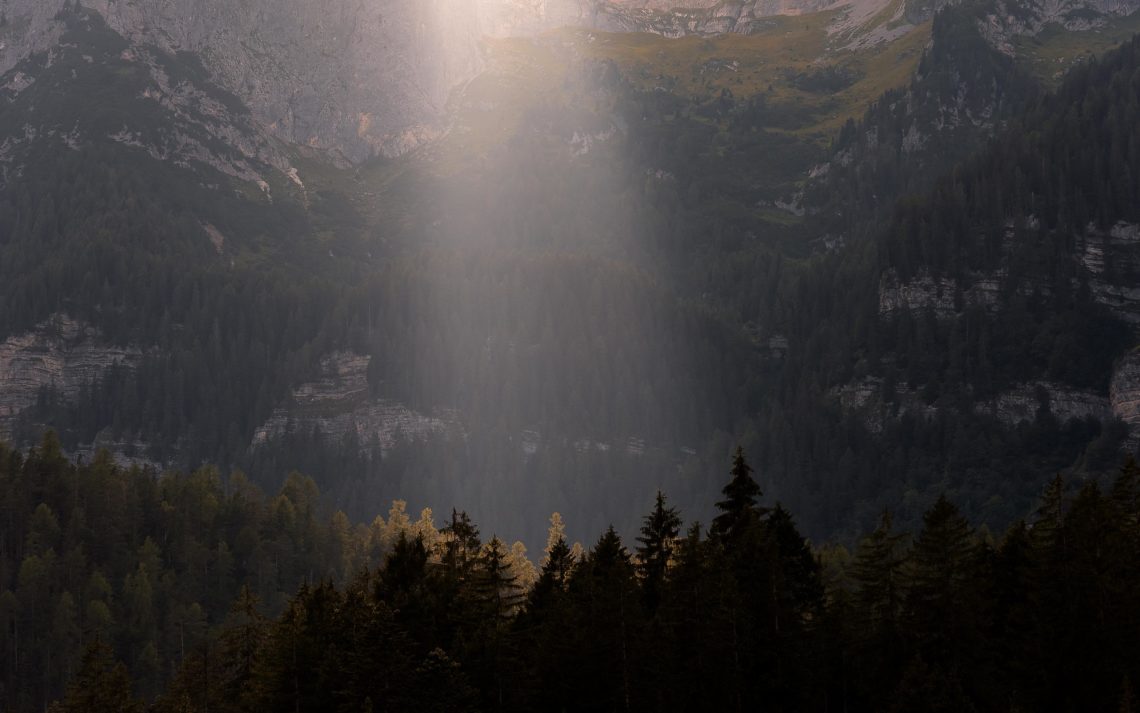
1108, 260
368, 77
62, 354
1124, 391
877, 404
357, 76
338, 405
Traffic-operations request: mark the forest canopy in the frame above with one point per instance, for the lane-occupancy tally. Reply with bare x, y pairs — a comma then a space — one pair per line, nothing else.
127, 591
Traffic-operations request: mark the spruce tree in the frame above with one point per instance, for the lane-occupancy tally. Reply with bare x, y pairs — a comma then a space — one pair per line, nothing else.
658, 537
945, 611
499, 591
241, 642
797, 587
878, 577
102, 684
603, 591
739, 508
460, 544
554, 577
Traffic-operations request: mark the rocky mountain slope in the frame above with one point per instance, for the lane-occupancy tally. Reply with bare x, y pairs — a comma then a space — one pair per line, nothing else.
359, 78
606, 256
989, 311
368, 78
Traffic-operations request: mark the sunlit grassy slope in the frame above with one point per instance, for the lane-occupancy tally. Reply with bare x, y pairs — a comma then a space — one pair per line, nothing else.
808, 82
779, 63
810, 77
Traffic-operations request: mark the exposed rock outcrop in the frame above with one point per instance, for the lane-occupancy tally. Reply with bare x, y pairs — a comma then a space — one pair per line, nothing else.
1013, 18
358, 76
367, 77
164, 107
62, 354
1023, 402
1124, 391
338, 405
1112, 260
943, 295
877, 404
1109, 260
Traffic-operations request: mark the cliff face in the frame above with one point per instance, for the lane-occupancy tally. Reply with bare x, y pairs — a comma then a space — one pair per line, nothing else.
337, 403
1108, 260
877, 405
1013, 18
365, 77
1124, 392
356, 76
368, 77
60, 353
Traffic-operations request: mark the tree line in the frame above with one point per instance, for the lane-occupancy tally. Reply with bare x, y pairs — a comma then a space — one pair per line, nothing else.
400, 615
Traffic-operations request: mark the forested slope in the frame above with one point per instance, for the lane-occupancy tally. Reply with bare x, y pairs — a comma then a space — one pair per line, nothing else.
1005, 282
599, 279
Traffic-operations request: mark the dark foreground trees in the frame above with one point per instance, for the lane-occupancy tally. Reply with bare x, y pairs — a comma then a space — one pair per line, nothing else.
401, 616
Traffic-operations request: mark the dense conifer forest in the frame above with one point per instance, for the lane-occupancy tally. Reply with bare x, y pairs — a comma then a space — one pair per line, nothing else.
123, 591
1059, 167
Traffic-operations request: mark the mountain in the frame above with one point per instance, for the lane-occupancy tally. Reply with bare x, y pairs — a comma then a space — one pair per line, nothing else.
556, 262
269, 270
362, 79
355, 78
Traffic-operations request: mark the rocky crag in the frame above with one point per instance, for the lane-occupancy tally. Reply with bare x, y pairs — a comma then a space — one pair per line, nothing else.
337, 405
62, 355
370, 77
360, 77
1108, 260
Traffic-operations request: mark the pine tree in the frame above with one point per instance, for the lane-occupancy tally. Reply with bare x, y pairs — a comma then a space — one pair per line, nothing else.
739, 508
1127, 698
659, 532
498, 587
797, 589
1013, 593
460, 541
498, 598
1048, 525
555, 575
102, 684
405, 567
241, 642
556, 534
944, 606
604, 594
1125, 499
549, 630
879, 581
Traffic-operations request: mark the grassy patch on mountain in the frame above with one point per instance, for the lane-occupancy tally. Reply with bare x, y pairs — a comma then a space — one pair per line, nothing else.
772, 63
1051, 53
